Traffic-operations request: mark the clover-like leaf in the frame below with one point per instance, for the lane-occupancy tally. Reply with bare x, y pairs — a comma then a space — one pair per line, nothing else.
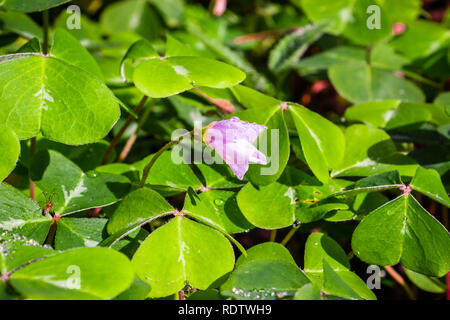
402, 231
369, 83
265, 280
323, 143
268, 207
428, 182
178, 74
218, 209
138, 207
78, 274
371, 151
17, 250
52, 95
182, 252
19, 214
327, 266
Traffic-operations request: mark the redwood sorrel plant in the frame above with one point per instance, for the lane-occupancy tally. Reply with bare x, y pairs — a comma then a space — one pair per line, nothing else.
224, 150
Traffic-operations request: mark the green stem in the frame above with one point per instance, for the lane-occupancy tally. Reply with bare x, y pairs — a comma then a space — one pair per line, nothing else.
273, 235
290, 234
148, 167
46, 18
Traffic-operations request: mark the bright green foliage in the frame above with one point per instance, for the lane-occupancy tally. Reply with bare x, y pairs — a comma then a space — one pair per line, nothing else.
402, 231
10, 150
327, 266
138, 207
30, 6
104, 273
180, 252
20, 214
54, 96
178, 74
78, 191
350, 171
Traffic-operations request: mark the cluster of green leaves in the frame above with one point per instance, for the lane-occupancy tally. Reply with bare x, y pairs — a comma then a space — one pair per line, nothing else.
366, 170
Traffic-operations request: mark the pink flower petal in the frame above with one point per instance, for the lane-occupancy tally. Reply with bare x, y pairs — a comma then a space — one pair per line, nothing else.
233, 140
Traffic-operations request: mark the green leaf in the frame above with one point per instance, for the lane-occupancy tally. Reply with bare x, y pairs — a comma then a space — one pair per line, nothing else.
443, 99
139, 51
402, 10
333, 284
270, 251
308, 292
320, 247
71, 189
324, 60
314, 199
176, 48
31, 6
376, 113
428, 182
426, 283
170, 174
383, 56
17, 250
131, 15
334, 13
219, 176
87, 157
89, 34
54, 89
178, 74
357, 27
370, 151
290, 49
327, 266
20, 214
103, 273
254, 78
421, 39
138, 207
182, 251
10, 151
21, 24
137, 291
31, 46
265, 280
368, 84
350, 18
402, 231
396, 115
323, 143
251, 98
378, 182
66, 47
171, 10
79, 232
268, 207
218, 209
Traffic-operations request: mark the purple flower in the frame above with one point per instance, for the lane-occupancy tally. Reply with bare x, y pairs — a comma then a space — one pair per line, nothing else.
233, 140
